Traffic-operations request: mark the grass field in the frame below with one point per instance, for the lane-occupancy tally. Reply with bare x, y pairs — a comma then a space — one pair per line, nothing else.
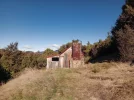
99, 81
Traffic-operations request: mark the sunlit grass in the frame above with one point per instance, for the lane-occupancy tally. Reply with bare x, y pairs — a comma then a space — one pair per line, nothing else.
100, 81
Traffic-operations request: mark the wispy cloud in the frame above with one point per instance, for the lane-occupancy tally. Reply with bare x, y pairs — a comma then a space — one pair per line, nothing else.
27, 47
55, 46
52, 46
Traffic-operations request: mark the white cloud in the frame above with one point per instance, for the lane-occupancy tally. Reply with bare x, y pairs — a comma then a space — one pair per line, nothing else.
52, 46
27, 47
55, 46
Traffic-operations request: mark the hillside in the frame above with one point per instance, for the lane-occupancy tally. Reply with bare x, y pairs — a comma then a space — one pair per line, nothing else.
100, 81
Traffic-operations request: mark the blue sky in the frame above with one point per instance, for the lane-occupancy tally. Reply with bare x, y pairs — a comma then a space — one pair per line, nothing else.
41, 24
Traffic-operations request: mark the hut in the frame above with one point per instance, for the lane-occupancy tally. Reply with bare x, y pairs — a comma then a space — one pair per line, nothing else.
71, 57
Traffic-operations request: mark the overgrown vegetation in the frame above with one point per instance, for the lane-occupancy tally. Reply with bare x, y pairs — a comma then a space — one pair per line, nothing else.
102, 48
13, 61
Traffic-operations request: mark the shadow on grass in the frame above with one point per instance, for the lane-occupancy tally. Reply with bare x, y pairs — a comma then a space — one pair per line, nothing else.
4, 75
108, 58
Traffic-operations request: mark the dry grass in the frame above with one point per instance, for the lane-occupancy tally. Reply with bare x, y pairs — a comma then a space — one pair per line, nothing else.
100, 81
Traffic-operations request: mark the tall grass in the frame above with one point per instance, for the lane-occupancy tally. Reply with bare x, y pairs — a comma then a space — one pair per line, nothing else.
113, 81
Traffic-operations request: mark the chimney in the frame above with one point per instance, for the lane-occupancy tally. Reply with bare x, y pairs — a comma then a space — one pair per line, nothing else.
76, 51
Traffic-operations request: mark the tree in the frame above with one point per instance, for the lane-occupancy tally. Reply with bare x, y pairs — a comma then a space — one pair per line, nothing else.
64, 47
123, 33
12, 47
76, 40
88, 43
12, 61
125, 41
130, 2
126, 17
49, 52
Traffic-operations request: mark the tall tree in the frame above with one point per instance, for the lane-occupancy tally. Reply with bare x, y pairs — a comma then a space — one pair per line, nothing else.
125, 40
123, 33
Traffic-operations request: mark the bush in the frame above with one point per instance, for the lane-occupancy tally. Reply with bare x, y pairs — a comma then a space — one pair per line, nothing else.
103, 48
13, 61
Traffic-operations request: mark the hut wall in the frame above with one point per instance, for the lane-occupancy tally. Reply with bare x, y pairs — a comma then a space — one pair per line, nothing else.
52, 64
61, 61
